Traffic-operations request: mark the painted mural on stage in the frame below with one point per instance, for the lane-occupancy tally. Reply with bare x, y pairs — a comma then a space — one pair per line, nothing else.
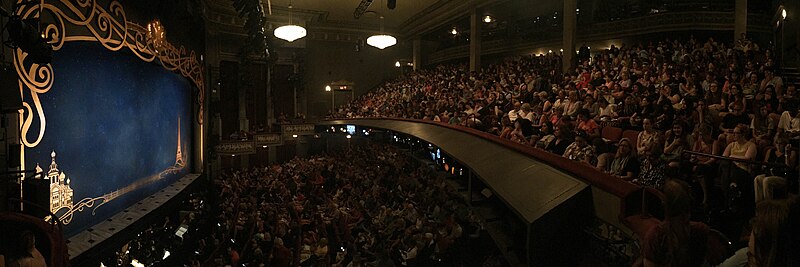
117, 130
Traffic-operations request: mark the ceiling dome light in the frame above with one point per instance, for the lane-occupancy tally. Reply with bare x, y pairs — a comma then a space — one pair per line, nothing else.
454, 31
381, 41
487, 19
290, 32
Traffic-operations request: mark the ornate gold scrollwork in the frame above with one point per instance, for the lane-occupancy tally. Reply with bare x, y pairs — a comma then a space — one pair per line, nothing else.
110, 28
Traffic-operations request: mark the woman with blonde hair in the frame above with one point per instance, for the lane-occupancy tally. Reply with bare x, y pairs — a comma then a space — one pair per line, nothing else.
625, 164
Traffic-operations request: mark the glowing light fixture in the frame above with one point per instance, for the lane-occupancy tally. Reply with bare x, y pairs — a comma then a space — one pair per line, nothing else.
328, 89
487, 19
381, 41
397, 64
349, 136
156, 35
783, 13
454, 31
290, 32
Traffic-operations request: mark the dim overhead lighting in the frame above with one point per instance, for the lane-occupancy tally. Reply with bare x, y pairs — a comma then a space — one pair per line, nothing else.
264, 146
348, 136
561, 50
549, 51
397, 64
454, 31
487, 19
382, 40
290, 32
294, 136
328, 89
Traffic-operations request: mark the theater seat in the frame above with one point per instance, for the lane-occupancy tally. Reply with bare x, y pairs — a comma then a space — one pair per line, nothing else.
642, 210
611, 134
632, 135
640, 224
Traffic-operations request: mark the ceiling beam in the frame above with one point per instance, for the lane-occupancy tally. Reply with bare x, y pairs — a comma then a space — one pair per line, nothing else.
441, 13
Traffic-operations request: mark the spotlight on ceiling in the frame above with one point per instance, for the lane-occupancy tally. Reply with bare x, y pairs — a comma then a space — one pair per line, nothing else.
487, 19
454, 31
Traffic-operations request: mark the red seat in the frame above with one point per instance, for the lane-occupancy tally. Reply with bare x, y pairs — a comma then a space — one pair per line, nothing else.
611, 133
632, 135
642, 210
640, 224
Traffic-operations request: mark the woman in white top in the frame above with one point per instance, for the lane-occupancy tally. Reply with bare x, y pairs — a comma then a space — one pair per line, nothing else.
571, 108
526, 112
606, 109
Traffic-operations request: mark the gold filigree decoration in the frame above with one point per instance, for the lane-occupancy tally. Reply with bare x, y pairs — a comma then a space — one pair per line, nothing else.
91, 22
99, 201
66, 210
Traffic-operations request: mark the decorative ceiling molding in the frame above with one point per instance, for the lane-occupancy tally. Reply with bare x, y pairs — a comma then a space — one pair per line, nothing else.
440, 14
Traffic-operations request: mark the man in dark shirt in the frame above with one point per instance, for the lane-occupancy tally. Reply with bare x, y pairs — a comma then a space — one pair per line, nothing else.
731, 120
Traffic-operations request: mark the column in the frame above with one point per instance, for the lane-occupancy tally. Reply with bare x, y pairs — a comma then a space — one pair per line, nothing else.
244, 123
570, 21
198, 135
271, 150
740, 19
475, 40
417, 54
295, 70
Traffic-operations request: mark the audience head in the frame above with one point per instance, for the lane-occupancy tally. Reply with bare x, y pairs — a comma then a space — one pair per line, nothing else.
624, 148
677, 199
770, 237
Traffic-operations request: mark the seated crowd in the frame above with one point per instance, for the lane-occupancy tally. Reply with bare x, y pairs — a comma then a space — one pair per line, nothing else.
677, 96
369, 206
721, 103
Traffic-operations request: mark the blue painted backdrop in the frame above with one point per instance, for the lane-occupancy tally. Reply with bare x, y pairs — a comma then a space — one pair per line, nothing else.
112, 119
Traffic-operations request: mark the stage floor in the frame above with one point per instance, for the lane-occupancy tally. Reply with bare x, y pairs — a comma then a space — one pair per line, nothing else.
86, 240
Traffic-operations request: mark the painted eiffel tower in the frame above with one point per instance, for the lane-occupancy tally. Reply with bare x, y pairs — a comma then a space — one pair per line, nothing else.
179, 154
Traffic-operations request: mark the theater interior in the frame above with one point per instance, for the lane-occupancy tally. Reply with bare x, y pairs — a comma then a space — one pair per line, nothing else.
342, 133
